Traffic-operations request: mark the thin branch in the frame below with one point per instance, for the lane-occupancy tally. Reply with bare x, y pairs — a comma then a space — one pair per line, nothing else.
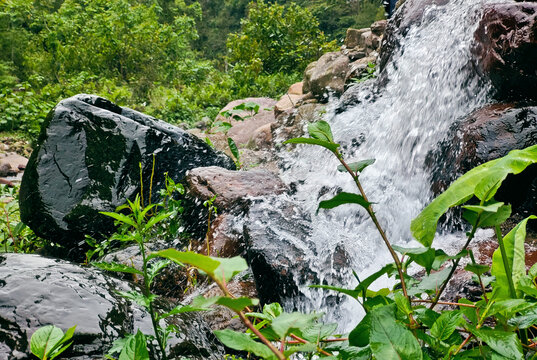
445, 303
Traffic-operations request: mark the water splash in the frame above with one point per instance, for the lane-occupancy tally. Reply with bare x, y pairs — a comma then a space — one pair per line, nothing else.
430, 85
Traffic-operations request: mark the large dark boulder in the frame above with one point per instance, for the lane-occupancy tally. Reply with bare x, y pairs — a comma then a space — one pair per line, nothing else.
38, 291
506, 48
487, 134
88, 159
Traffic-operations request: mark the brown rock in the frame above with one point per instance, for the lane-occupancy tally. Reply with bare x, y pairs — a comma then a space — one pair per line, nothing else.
326, 75
354, 37
11, 164
242, 131
506, 49
355, 54
296, 88
286, 103
262, 137
357, 68
231, 187
378, 27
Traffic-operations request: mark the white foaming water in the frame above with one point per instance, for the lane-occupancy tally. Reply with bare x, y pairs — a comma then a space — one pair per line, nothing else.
430, 86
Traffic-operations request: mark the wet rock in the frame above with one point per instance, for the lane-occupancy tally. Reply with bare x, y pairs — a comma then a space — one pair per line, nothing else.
409, 14
87, 160
487, 134
506, 48
233, 188
359, 67
278, 245
326, 75
38, 291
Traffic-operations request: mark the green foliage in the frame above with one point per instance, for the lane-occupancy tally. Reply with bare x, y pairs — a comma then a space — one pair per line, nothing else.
397, 325
48, 342
277, 38
15, 236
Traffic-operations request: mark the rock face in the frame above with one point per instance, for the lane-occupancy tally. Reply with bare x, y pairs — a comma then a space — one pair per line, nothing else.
487, 134
326, 75
506, 48
87, 160
38, 291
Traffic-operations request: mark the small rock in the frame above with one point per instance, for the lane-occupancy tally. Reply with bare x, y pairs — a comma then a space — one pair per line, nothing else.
326, 75
286, 103
296, 88
354, 37
378, 27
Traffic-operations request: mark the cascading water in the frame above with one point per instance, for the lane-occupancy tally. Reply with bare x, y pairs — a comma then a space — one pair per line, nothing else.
430, 85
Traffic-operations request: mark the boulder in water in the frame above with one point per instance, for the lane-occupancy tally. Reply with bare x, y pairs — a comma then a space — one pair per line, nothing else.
326, 75
506, 48
88, 159
39, 291
487, 134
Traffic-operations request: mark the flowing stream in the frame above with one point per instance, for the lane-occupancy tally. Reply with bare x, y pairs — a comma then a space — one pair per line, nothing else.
430, 85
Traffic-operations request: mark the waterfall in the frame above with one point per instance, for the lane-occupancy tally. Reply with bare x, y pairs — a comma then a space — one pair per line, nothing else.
430, 84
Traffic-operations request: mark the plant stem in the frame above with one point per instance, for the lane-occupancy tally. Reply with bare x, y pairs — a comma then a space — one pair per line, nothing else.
463, 343
445, 303
302, 341
249, 325
479, 277
8, 225
376, 222
455, 265
508, 272
147, 292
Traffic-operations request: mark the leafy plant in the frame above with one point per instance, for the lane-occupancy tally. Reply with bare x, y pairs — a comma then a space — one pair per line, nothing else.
368, 73
48, 342
397, 323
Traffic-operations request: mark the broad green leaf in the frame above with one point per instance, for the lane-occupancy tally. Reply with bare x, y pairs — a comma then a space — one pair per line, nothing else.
487, 218
526, 319
391, 340
138, 297
305, 348
321, 130
469, 312
358, 166
402, 303
202, 262
328, 145
359, 336
421, 256
446, 324
477, 269
119, 344
344, 198
364, 284
424, 226
514, 248
233, 148
426, 316
237, 304
120, 217
526, 286
430, 283
352, 293
113, 266
318, 332
44, 339
156, 268
504, 343
284, 323
508, 308
135, 348
228, 268
56, 350
441, 257
243, 342
156, 219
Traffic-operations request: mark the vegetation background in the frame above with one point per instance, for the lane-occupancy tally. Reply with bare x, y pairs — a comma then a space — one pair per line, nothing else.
178, 60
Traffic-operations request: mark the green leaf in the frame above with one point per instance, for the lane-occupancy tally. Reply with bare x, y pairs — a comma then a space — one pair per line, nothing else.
514, 248
402, 303
120, 217
328, 145
477, 269
44, 339
321, 130
509, 307
526, 319
359, 336
288, 321
243, 342
504, 343
344, 198
318, 332
421, 256
156, 268
237, 304
358, 166
138, 297
229, 267
423, 227
446, 324
488, 215
202, 262
426, 316
391, 340
441, 257
135, 348
469, 312
430, 283
156, 219
180, 309
56, 350
233, 148
117, 267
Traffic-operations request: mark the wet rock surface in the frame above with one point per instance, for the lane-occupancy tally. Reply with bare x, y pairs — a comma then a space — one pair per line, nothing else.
38, 291
87, 160
326, 75
487, 134
506, 48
